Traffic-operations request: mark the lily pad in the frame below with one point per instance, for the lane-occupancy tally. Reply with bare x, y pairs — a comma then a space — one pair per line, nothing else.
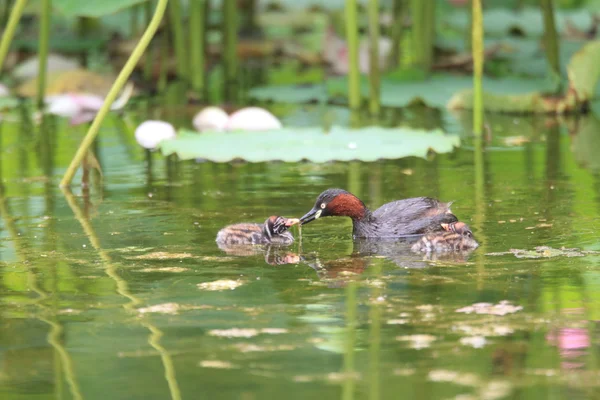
435, 92
92, 8
312, 144
501, 21
583, 80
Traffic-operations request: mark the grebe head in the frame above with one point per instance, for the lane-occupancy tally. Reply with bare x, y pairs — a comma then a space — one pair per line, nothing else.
335, 203
459, 227
276, 225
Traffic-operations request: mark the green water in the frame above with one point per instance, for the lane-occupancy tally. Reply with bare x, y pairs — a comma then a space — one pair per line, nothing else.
105, 295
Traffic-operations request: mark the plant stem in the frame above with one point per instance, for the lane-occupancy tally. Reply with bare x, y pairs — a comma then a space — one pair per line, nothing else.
148, 67
44, 39
374, 81
178, 37
197, 43
477, 44
423, 29
116, 88
352, 42
397, 29
9, 32
550, 37
230, 44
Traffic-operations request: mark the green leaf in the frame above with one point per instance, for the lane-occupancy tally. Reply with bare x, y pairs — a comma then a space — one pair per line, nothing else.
92, 8
583, 71
435, 92
312, 144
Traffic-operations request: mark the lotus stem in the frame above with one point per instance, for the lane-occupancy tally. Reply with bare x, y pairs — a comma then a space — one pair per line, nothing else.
397, 29
148, 66
9, 32
178, 37
197, 43
423, 20
114, 91
230, 42
477, 49
44, 39
550, 37
352, 42
374, 80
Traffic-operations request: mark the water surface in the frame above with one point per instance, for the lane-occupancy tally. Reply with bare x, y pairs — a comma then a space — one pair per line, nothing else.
110, 293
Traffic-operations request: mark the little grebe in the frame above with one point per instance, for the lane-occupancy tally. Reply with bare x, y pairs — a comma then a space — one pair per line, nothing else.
273, 231
392, 220
457, 236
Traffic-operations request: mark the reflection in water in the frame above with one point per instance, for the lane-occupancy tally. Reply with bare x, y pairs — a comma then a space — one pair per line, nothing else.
123, 290
353, 319
572, 344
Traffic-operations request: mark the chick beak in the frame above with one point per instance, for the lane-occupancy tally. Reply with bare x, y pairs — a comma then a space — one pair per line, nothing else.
291, 222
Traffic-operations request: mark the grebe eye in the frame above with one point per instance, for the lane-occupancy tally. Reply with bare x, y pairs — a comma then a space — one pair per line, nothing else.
323, 205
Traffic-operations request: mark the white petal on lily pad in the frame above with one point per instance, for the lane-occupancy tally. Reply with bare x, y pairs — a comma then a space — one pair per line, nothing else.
211, 119
253, 119
150, 133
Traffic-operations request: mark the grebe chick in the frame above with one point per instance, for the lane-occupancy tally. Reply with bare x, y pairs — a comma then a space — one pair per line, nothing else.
273, 231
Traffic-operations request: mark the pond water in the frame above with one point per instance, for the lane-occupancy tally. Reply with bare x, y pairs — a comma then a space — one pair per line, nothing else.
122, 293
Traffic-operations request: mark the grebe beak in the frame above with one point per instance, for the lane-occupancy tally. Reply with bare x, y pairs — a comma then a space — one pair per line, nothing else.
310, 216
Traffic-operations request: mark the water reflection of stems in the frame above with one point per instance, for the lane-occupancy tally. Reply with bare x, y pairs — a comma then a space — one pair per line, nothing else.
32, 282
479, 216
348, 386
123, 290
375, 334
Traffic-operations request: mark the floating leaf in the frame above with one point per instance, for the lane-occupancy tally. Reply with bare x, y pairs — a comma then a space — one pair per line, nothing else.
312, 144
545, 252
435, 92
583, 71
92, 8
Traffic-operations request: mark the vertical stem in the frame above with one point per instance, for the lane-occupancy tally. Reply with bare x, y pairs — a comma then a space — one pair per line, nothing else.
397, 29
9, 32
429, 32
230, 20
197, 43
374, 81
116, 88
148, 67
178, 37
133, 15
423, 29
477, 44
550, 37
44, 39
352, 42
